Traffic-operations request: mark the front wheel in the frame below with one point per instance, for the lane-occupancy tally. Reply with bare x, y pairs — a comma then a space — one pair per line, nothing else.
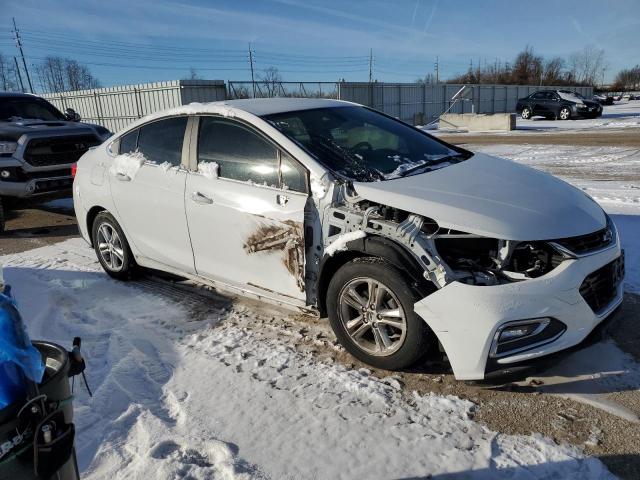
112, 247
526, 113
370, 308
564, 113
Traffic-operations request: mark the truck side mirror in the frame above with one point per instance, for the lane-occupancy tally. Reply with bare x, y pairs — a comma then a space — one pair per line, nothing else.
71, 115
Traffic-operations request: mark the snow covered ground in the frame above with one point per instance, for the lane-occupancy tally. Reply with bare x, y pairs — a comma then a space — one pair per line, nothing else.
190, 388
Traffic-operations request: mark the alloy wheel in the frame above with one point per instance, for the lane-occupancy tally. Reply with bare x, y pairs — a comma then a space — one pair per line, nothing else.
372, 316
564, 114
110, 247
526, 113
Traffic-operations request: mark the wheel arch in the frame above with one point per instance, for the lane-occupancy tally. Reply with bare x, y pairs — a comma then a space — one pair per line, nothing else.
91, 216
370, 246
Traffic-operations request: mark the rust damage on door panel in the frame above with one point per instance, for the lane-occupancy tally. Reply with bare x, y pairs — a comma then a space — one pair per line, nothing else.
285, 236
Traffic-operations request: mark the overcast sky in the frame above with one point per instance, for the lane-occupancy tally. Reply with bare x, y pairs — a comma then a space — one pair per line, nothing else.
128, 41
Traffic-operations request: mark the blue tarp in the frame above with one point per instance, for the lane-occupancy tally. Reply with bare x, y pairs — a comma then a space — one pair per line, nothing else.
19, 359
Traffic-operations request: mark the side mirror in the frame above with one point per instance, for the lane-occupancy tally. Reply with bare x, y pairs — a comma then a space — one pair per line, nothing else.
71, 115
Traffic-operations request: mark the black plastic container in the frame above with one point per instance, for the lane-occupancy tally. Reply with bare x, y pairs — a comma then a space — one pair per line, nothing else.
55, 385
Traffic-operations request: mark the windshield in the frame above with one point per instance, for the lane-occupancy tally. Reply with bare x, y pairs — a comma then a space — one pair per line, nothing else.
365, 145
571, 96
26, 107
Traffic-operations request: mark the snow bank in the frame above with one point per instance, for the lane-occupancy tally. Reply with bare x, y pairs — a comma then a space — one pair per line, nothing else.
195, 387
340, 243
128, 164
208, 169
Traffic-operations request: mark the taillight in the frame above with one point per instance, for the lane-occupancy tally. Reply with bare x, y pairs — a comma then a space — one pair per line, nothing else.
74, 170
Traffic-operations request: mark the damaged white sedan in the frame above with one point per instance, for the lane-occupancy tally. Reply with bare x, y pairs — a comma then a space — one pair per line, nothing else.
409, 245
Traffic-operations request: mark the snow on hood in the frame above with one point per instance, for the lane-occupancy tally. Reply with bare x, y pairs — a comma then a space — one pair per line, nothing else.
493, 197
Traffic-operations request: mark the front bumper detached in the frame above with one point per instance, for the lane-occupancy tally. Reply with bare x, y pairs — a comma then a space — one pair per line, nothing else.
467, 319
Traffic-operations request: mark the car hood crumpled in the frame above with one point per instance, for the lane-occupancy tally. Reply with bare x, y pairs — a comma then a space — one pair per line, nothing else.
492, 197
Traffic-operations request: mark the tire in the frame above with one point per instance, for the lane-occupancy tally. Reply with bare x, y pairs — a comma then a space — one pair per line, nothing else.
113, 253
379, 343
526, 113
564, 113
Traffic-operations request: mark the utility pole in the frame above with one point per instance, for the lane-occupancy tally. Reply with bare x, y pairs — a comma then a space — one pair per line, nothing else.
19, 45
371, 65
253, 82
437, 66
18, 74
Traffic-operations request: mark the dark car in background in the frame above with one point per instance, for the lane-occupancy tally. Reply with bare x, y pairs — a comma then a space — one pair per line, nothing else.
557, 104
38, 146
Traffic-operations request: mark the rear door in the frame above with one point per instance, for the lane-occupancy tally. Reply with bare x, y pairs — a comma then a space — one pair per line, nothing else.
150, 199
246, 211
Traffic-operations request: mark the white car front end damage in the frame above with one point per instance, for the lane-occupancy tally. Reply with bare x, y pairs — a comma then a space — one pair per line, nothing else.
468, 319
552, 271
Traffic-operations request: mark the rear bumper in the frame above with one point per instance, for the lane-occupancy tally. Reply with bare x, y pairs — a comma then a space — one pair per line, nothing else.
466, 318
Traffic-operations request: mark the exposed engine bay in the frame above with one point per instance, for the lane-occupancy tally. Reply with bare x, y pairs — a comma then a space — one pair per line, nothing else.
445, 255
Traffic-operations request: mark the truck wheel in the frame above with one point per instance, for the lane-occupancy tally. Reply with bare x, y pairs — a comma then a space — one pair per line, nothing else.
111, 247
370, 307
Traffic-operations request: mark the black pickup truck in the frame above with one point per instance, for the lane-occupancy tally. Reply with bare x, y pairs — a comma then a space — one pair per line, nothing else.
38, 147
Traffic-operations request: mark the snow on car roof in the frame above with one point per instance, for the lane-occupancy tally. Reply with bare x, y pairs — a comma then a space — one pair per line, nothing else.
267, 106
254, 106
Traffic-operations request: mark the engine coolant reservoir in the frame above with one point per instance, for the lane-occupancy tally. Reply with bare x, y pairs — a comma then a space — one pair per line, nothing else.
20, 361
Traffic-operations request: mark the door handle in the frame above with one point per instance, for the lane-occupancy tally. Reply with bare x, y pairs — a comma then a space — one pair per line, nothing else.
282, 199
201, 198
123, 177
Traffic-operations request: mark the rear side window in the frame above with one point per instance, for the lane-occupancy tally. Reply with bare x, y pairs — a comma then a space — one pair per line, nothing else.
129, 142
162, 141
241, 154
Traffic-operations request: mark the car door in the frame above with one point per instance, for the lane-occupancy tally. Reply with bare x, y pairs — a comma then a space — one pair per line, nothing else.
245, 206
538, 106
149, 200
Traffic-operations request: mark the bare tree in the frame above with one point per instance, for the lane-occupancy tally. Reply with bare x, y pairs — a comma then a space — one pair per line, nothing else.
9, 76
587, 65
193, 75
272, 80
57, 74
553, 71
628, 79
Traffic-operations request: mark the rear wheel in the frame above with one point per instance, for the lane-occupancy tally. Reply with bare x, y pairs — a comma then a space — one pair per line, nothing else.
564, 113
526, 113
112, 247
370, 308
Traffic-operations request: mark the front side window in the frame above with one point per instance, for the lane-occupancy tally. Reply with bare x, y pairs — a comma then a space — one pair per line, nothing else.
162, 141
129, 142
538, 96
294, 176
240, 153
365, 145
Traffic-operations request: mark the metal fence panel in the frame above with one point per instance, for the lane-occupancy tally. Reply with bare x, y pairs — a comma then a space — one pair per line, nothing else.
415, 103
116, 107
419, 103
